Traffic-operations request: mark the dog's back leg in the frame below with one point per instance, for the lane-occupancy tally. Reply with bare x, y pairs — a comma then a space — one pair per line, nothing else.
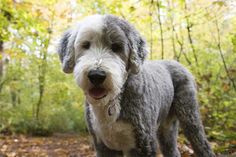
186, 109
167, 137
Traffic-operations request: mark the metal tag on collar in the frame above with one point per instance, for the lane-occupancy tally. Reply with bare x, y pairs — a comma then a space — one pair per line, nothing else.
111, 110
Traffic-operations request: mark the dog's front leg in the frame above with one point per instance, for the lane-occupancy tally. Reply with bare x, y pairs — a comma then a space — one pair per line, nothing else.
146, 145
103, 151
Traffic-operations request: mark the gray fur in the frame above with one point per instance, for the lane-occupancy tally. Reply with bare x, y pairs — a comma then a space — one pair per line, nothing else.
66, 51
136, 44
156, 97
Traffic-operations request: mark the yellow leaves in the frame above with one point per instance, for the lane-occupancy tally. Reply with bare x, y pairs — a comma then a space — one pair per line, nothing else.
219, 3
185, 151
15, 53
4, 148
214, 145
41, 12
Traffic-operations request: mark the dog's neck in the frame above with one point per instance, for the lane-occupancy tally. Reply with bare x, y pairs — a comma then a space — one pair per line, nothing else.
107, 113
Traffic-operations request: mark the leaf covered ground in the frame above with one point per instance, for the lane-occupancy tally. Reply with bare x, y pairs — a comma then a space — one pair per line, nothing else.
58, 145
61, 145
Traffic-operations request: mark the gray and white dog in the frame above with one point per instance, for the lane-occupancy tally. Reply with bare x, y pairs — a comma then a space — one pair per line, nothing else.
132, 105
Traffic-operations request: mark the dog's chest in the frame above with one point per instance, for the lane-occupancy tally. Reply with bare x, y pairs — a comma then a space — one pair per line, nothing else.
116, 135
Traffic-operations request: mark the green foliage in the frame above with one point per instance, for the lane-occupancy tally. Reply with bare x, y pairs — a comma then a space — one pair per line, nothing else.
61, 110
62, 107
217, 96
36, 97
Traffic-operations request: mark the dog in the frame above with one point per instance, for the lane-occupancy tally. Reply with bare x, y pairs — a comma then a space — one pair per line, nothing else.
133, 106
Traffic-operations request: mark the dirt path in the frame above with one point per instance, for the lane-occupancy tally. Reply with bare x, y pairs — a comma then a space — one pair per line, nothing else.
59, 145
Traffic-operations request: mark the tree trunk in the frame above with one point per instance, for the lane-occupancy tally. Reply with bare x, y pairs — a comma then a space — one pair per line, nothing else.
181, 48
43, 68
161, 29
2, 81
172, 30
1, 59
189, 27
151, 28
41, 79
221, 54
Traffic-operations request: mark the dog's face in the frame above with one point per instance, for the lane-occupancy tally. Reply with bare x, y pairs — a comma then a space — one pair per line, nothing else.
101, 51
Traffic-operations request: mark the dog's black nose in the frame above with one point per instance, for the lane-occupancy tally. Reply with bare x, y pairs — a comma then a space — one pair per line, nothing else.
97, 76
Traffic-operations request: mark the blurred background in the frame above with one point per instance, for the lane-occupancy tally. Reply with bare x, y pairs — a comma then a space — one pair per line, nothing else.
37, 98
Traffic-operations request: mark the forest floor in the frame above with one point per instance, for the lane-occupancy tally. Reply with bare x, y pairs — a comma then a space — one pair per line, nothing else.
58, 145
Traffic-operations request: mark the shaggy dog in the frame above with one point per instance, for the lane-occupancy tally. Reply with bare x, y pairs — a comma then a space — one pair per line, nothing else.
132, 105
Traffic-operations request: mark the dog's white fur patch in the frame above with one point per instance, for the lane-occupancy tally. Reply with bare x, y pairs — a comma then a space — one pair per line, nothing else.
114, 134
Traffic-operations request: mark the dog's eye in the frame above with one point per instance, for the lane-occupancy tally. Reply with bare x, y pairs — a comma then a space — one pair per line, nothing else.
86, 45
116, 47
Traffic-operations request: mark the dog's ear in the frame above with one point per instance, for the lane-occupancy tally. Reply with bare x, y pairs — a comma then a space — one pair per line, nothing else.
138, 51
66, 51
136, 44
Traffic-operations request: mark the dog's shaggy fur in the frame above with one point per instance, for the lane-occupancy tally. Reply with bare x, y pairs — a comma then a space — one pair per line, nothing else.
132, 105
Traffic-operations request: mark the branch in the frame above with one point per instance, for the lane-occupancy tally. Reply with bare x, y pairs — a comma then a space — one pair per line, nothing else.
189, 26
151, 28
222, 56
173, 31
182, 50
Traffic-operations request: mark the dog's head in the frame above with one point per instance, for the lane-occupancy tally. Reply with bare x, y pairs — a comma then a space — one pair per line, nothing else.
101, 51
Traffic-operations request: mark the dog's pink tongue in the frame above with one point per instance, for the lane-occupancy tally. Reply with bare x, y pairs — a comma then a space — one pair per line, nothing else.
97, 92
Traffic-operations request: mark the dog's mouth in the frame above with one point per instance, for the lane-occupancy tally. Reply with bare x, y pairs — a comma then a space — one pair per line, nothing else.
97, 93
